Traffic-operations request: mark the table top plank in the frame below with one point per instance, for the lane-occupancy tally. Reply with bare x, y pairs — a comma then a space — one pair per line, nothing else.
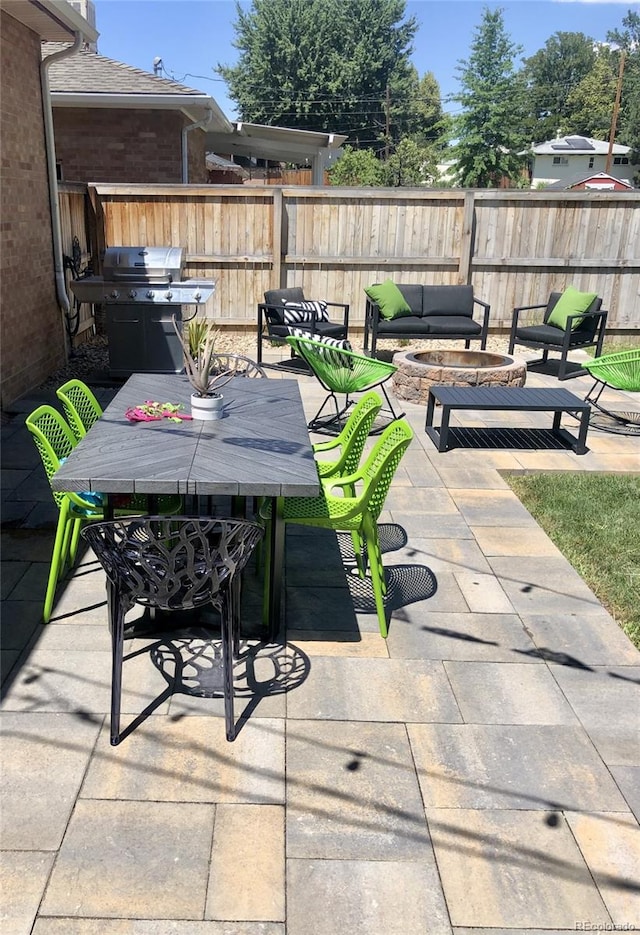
260, 447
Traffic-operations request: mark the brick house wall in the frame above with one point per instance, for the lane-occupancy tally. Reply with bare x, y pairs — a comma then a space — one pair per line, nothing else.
119, 146
31, 329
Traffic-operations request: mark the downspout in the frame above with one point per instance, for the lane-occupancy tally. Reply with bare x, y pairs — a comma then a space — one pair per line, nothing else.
61, 286
185, 148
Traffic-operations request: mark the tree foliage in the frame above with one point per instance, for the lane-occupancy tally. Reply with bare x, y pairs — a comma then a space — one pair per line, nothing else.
489, 129
590, 103
628, 40
357, 167
552, 75
323, 65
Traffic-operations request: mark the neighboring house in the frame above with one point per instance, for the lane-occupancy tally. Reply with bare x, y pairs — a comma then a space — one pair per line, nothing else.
570, 157
116, 123
32, 289
598, 182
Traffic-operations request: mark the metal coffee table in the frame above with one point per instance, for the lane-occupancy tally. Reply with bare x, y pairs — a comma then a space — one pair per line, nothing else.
507, 399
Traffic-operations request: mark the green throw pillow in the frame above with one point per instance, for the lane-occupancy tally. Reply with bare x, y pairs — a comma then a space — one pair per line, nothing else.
571, 302
389, 299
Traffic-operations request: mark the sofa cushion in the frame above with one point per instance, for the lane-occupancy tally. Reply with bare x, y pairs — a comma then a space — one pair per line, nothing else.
447, 300
340, 344
548, 334
413, 295
410, 324
453, 324
389, 299
571, 302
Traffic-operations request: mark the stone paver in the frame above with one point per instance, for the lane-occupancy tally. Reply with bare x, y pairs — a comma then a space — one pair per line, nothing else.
513, 869
119, 859
478, 771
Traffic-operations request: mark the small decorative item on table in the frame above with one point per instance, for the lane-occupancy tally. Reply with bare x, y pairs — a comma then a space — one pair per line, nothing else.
198, 343
152, 411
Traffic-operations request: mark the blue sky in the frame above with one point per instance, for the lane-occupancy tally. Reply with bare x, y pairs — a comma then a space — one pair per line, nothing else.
193, 36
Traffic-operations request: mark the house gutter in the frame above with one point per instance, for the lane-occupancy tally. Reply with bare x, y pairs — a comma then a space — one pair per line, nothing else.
185, 147
61, 286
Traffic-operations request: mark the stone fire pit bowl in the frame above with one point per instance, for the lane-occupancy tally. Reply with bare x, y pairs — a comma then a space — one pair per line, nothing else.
419, 370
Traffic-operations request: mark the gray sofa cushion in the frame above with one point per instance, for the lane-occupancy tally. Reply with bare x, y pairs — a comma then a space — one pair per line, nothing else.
447, 300
412, 293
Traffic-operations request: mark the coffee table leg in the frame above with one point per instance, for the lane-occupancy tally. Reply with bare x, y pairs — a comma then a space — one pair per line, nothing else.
444, 428
581, 446
431, 404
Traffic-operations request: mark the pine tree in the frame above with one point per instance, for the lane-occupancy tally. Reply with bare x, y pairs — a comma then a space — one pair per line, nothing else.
489, 129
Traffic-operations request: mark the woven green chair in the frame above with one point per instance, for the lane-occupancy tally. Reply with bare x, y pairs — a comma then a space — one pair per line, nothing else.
620, 371
349, 444
358, 512
341, 372
81, 408
55, 441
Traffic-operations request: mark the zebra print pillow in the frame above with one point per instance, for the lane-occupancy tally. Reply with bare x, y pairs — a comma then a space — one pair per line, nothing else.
298, 312
339, 343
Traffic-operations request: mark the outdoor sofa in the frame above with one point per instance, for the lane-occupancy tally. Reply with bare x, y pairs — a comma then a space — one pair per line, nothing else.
439, 312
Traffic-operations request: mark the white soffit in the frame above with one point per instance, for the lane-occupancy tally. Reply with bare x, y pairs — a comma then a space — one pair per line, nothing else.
53, 20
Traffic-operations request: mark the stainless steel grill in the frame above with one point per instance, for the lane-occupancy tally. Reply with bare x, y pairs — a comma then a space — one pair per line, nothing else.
142, 289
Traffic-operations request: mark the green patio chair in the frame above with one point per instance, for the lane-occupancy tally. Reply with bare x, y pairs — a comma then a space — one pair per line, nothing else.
620, 371
81, 408
349, 444
353, 504
342, 372
55, 441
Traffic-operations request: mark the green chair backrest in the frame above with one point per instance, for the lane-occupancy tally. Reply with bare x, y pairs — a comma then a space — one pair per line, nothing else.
341, 371
352, 438
54, 440
382, 463
81, 408
620, 370
370, 482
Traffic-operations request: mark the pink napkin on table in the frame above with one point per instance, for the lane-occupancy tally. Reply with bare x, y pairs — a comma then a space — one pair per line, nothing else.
151, 411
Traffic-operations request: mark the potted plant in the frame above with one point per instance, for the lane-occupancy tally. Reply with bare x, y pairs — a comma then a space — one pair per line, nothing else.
198, 340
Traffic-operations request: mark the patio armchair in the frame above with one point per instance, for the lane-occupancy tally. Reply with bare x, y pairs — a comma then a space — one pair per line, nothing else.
238, 365
283, 309
562, 329
353, 503
175, 564
341, 372
55, 441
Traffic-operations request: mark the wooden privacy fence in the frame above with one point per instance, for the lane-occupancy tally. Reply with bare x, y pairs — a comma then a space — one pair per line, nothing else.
513, 246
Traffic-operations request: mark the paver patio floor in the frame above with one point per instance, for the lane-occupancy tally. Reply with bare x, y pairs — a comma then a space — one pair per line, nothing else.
477, 771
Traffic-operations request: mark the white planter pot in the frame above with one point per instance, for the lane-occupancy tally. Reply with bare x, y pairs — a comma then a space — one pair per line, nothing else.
206, 408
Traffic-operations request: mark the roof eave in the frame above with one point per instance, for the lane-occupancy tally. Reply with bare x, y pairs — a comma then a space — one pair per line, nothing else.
54, 20
193, 106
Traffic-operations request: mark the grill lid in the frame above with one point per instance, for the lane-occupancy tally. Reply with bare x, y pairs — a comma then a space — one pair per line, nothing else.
143, 264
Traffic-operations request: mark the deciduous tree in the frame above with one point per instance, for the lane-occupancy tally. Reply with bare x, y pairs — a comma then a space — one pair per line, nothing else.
322, 64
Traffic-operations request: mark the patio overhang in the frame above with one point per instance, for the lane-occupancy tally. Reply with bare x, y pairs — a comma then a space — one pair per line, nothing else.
278, 144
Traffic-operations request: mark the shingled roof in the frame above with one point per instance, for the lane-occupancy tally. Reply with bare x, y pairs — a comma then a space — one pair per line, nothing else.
88, 72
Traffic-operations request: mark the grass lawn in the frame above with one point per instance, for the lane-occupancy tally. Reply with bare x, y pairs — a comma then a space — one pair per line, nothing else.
594, 519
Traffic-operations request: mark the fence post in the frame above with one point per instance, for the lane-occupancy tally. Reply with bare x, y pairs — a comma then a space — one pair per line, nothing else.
277, 237
466, 241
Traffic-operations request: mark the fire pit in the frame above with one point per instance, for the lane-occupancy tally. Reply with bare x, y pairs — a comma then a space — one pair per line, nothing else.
418, 370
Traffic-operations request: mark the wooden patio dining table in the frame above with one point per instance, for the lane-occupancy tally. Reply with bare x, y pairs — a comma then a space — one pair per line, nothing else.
260, 447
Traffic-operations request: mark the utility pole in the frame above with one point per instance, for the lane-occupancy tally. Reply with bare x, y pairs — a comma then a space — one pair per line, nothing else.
614, 117
387, 127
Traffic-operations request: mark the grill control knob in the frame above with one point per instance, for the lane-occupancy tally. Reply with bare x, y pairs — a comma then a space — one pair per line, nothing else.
151, 294
114, 294
132, 293
169, 296
197, 296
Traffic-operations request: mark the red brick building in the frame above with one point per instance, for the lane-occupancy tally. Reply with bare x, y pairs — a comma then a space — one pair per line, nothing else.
31, 323
117, 123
